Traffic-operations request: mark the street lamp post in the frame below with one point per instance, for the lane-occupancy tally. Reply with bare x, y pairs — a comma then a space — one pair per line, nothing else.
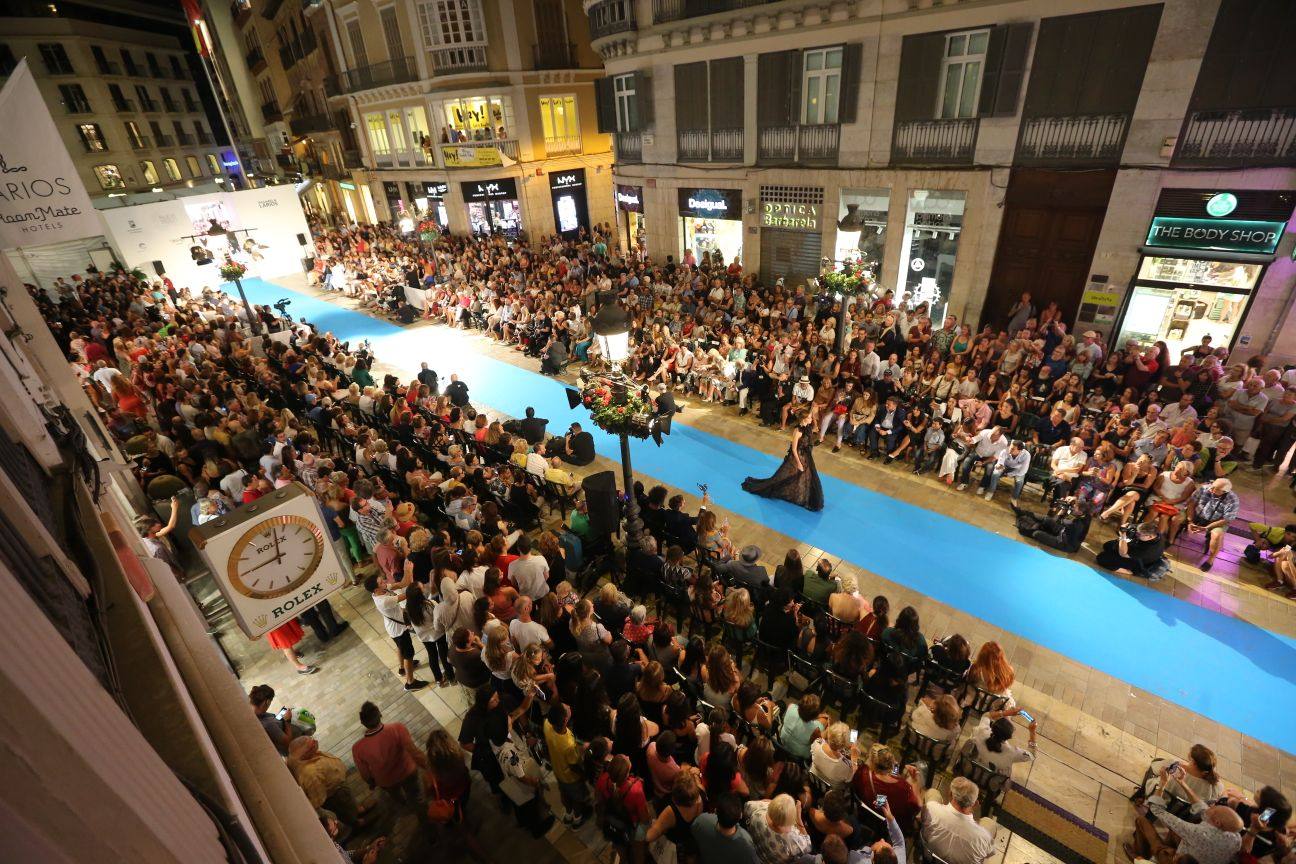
612, 328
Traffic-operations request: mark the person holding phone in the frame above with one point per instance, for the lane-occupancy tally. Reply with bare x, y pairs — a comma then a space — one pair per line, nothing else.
992, 740
1216, 839
883, 775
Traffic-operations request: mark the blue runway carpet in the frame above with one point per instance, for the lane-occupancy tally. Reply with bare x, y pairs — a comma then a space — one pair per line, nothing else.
1228, 670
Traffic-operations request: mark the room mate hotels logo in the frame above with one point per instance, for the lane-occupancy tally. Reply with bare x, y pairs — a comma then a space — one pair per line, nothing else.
36, 197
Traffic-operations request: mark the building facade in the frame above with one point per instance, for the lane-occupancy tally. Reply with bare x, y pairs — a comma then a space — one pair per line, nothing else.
479, 114
1091, 154
123, 95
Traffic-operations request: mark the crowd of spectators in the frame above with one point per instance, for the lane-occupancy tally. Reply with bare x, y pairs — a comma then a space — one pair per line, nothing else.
732, 734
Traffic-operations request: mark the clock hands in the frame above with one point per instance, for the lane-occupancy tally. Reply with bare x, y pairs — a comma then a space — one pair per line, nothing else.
278, 556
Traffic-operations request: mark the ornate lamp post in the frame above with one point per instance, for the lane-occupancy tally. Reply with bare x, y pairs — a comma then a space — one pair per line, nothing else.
612, 329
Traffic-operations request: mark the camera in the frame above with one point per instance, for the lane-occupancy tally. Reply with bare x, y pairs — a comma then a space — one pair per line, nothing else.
282, 305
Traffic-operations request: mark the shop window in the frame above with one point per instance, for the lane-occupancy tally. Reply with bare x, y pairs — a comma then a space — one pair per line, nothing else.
149, 172
560, 123
213, 164
627, 107
172, 169
92, 137
821, 85
109, 177
862, 227
397, 127
961, 73
1180, 300
195, 168
479, 118
378, 139
933, 222
416, 122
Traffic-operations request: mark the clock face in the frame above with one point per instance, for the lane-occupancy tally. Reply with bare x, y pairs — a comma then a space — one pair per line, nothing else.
275, 556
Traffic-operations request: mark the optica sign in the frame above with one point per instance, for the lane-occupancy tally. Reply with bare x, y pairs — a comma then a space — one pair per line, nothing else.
1220, 235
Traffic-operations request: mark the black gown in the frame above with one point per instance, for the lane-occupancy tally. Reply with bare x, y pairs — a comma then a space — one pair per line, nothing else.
788, 484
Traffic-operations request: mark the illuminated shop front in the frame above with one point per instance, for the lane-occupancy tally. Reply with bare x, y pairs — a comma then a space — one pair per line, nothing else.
570, 207
711, 224
862, 226
493, 206
435, 204
1205, 252
933, 223
629, 203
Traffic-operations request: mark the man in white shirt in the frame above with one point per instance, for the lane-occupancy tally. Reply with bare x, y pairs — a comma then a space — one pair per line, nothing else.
870, 362
983, 449
1067, 463
1013, 463
536, 465
104, 374
1176, 414
951, 831
526, 632
529, 573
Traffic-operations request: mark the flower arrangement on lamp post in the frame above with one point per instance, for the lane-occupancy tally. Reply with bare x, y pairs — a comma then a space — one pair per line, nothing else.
232, 271
626, 415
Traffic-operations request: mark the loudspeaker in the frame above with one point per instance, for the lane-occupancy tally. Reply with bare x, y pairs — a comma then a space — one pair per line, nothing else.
604, 509
158, 268
301, 239
308, 264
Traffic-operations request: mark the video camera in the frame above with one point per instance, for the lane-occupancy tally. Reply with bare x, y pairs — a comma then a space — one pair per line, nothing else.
282, 305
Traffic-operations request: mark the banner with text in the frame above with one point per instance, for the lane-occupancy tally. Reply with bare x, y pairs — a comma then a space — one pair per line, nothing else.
42, 200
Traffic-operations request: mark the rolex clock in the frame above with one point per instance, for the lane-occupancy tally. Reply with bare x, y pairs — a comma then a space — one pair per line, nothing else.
272, 559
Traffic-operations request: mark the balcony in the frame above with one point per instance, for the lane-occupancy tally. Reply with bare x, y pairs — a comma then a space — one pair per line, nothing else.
165, 141
143, 142
676, 10
610, 17
628, 146
400, 71
124, 106
307, 123
192, 106
240, 12
715, 145
934, 142
107, 67
562, 146
271, 113
185, 139
171, 106
270, 8
464, 58
202, 138
1086, 139
256, 61
507, 146
814, 144
351, 159
1242, 137
149, 106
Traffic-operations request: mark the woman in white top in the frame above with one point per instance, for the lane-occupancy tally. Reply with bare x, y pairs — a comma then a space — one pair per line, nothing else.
992, 741
833, 757
1197, 772
939, 718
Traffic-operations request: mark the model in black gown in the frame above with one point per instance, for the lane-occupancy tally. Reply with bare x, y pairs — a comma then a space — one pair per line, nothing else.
796, 480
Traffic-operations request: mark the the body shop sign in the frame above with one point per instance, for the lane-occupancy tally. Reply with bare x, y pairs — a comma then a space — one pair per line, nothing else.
711, 203
1217, 235
42, 200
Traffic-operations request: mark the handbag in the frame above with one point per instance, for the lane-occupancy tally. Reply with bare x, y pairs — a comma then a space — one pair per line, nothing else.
440, 810
1164, 509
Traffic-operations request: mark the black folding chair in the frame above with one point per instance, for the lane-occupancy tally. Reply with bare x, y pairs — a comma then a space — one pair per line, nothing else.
840, 692
675, 599
879, 715
991, 783
805, 668
770, 658
933, 752
936, 678
983, 702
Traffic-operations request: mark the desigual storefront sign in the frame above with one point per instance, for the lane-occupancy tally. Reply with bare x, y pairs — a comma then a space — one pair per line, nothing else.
1218, 235
629, 198
794, 217
711, 203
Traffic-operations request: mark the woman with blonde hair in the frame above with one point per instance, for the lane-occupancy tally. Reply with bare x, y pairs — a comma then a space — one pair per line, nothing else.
992, 672
845, 604
498, 654
779, 820
740, 613
833, 757
592, 638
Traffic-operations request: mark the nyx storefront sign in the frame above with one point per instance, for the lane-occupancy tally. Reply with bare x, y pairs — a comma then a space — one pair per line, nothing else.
711, 203
567, 191
491, 190
436, 191
629, 198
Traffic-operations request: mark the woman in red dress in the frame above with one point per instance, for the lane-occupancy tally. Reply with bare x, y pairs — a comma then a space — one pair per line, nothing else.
285, 637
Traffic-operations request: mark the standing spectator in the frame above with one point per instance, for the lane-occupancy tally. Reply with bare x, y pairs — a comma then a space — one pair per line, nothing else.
387, 758
398, 628
566, 756
720, 836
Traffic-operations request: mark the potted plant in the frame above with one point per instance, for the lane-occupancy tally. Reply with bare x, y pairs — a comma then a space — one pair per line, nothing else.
232, 271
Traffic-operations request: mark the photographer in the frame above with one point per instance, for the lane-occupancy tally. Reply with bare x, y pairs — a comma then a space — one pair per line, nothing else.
1063, 529
1137, 551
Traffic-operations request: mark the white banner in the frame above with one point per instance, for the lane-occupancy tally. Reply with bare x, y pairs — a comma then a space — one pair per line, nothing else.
42, 200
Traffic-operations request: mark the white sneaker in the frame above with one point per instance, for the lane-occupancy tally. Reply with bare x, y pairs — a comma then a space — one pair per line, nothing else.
989, 496
962, 486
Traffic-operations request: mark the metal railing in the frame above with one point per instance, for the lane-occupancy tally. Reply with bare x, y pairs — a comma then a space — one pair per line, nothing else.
507, 146
813, 144
399, 71
124, 106
1086, 138
149, 105
628, 146
558, 146
143, 142
304, 124
693, 145
609, 17
271, 112
548, 55
714, 145
675, 10
728, 145
165, 141
254, 59
934, 142
107, 67
185, 139
1250, 136
462, 58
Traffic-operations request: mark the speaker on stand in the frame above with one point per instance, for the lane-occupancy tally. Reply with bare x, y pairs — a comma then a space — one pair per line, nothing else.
604, 508
158, 268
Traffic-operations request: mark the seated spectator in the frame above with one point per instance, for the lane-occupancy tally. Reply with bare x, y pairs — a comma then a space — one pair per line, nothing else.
832, 756
802, 725
940, 718
1216, 839
721, 837
951, 830
819, 583
992, 672
1210, 513
991, 741
883, 776
777, 830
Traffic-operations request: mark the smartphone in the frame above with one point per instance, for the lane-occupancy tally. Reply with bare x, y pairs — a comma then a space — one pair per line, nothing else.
283, 712
1026, 716
896, 769
854, 736
1176, 770
880, 801
1265, 815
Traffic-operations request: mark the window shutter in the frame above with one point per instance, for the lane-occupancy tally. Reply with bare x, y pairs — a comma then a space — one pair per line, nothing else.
771, 89
852, 63
691, 96
795, 77
920, 69
605, 105
726, 80
1005, 69
644, 98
